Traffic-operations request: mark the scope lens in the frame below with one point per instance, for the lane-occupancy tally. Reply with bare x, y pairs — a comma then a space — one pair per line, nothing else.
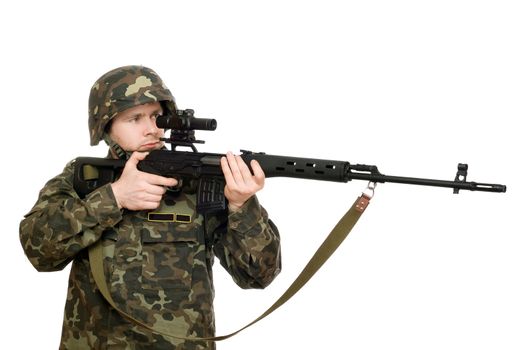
162, 122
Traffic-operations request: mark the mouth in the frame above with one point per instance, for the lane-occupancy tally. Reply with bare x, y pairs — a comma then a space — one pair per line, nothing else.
152, 145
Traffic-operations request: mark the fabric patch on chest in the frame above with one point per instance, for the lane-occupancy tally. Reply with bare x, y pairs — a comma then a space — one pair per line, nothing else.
181, 211
169, 217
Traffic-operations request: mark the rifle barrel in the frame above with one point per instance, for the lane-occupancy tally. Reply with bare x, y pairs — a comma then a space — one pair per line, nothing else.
459, 185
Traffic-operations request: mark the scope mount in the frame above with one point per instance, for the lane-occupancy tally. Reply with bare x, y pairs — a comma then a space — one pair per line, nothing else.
182, 138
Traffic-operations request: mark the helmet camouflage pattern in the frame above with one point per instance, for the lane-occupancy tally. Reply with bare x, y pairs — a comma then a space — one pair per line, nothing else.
120, 89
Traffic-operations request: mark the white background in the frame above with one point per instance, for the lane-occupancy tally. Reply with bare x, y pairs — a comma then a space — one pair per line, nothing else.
413, 87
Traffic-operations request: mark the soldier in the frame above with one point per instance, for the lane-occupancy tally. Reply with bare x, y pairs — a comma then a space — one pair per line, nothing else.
159, 272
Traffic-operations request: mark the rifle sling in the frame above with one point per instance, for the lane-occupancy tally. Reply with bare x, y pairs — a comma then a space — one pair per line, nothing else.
323, 253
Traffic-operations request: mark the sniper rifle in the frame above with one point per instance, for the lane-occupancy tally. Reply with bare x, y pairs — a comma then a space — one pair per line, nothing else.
91, 173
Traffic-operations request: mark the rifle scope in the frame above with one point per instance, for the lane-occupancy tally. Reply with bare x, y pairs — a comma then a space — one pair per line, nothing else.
184, 120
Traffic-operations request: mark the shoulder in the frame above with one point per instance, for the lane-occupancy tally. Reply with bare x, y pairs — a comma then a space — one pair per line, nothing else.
64, 179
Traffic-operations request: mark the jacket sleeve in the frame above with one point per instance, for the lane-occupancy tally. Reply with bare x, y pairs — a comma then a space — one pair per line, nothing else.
250, 249
61, 224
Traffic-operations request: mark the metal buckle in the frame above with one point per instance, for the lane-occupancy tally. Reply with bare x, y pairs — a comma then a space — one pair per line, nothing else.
370, 189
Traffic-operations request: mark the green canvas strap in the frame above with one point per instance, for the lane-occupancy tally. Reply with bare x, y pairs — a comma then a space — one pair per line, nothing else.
323, 253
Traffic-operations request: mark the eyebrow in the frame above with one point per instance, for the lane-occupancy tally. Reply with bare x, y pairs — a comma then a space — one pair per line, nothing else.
158, 111
140, 115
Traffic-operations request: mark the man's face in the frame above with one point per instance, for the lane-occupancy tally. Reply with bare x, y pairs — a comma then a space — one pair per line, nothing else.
134, 129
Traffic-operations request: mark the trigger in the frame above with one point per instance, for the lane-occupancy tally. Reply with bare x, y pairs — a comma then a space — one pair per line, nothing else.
177, 187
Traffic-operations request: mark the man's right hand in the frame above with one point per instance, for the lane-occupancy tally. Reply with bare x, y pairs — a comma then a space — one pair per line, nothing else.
137, 190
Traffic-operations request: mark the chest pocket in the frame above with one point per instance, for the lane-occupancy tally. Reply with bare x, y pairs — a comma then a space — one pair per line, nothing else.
169, 255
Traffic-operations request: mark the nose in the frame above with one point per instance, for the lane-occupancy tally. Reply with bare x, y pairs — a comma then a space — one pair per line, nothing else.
151, 126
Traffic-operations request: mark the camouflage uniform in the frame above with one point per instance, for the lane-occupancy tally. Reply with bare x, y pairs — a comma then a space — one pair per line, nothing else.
158, 272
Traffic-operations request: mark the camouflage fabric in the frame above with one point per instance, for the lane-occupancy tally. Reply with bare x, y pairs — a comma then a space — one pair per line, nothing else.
123, 88
159, 272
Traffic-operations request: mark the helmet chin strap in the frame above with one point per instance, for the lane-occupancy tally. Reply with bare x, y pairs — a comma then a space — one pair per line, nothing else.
115, 149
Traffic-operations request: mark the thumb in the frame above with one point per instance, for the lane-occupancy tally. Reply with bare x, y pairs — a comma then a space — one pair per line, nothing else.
136, 157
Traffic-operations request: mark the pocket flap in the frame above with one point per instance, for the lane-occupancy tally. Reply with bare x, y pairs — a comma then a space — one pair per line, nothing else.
171, 232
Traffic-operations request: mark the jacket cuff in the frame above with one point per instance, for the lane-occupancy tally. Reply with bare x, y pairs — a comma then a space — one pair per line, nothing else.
247, 216
102, 204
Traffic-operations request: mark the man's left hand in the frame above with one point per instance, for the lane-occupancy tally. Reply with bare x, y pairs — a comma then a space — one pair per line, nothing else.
241, 184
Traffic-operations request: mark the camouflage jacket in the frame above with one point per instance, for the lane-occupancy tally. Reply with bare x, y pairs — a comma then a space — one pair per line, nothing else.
158, 271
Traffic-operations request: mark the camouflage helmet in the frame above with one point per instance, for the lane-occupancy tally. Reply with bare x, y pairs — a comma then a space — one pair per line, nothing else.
120, 89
